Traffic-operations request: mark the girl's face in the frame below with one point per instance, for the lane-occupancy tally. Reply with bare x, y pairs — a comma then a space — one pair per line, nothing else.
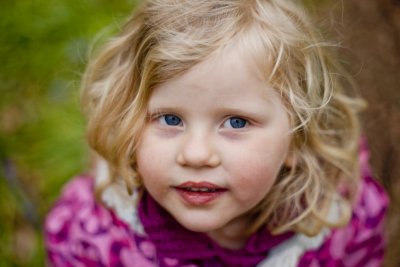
215, 142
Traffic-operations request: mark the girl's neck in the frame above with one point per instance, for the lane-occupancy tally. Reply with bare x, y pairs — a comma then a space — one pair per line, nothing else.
231, 236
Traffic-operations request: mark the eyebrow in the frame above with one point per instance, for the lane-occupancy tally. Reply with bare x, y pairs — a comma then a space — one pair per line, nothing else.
247, 112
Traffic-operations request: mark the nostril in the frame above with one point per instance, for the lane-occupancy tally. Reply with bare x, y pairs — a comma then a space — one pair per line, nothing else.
198, 158
198, 150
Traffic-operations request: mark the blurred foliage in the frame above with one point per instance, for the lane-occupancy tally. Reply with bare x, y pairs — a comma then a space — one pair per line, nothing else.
43, 51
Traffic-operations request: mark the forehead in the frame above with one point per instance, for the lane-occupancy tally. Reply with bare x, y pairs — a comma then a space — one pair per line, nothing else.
234, 65
227, 78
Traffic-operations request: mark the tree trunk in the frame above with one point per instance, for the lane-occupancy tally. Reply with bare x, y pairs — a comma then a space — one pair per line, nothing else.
370, 29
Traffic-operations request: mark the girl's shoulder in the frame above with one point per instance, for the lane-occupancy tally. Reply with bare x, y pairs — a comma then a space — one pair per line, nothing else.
81, 232
362, 241
359, 243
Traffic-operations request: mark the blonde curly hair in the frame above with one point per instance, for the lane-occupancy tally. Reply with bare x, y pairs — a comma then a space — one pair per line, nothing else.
165, 38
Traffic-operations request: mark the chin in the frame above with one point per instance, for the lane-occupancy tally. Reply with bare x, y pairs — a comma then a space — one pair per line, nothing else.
199, 225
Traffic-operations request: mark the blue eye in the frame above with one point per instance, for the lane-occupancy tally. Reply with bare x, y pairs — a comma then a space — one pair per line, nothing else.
235, 122
170, 119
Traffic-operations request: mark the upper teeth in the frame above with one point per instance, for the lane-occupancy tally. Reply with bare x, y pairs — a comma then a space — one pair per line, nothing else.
196, 189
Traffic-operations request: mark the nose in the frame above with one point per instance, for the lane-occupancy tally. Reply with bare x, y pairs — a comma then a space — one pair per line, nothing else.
198, 151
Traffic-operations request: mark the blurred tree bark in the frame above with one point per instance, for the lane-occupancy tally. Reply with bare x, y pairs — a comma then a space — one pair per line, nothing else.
370, 29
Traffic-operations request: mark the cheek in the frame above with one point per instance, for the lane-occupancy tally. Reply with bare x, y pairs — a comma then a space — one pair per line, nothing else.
150, 173
154, 159
258, 171
258, 175
149, 165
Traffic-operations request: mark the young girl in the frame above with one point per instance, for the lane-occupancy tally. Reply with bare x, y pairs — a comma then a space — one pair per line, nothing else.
223, 137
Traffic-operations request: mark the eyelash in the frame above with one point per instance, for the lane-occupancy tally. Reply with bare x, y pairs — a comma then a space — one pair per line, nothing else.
243, 123
237, 120
175, 119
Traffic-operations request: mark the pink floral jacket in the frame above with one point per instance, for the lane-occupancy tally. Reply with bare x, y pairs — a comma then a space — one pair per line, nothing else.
81, 232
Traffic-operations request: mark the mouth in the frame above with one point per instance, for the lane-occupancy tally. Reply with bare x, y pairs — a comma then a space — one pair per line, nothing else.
200, 187
195, 189
199, 193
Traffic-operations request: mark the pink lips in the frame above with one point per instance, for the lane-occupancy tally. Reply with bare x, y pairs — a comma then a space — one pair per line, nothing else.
199, 193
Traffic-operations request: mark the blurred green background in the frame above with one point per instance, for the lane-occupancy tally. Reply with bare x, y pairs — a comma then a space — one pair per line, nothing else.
43, 50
